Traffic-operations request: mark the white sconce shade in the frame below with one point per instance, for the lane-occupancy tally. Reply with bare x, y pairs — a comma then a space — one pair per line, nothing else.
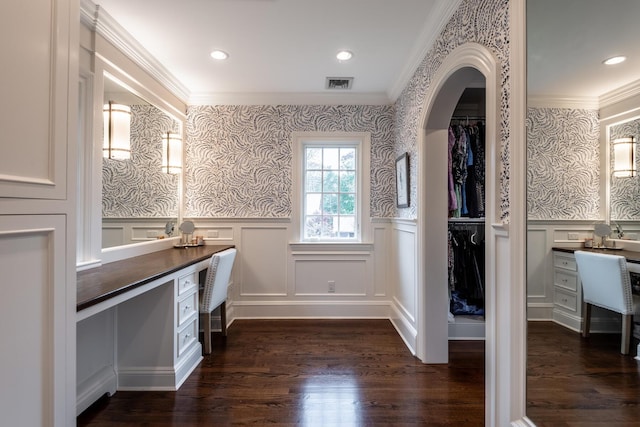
171, 153
624, 157
117, 131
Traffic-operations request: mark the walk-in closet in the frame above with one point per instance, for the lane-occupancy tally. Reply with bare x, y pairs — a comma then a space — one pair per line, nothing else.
466, 212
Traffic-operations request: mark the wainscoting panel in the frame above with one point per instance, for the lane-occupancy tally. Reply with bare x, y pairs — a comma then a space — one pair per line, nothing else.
539, 275
381, 260
403, 269
327, 277
262, 265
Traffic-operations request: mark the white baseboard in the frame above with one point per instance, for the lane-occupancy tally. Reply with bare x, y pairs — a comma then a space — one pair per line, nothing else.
102, 382
311, 310
468, 328
167, 378
540, 311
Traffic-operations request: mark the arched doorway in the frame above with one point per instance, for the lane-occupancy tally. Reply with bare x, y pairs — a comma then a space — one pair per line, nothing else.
464, 65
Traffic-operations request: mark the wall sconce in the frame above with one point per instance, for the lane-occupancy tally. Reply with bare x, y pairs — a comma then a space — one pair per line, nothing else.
171, 153
117, 131
624, 157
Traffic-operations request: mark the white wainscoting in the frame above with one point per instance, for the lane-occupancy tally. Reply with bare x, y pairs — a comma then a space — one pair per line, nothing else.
125, 231
404, 271
276, 278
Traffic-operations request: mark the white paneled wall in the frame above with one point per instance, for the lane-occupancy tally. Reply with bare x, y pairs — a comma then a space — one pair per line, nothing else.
276, 278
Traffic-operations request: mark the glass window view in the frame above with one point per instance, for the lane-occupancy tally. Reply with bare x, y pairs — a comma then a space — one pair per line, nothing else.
330, 192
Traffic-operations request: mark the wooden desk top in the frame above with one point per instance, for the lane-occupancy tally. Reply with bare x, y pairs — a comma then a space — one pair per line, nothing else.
101, 283
631, 256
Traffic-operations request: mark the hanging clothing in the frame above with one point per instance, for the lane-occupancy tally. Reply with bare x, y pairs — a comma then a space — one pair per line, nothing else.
467, 171
453, 201
466, 269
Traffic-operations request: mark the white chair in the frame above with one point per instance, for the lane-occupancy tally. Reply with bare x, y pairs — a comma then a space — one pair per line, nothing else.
214, 293
606, 283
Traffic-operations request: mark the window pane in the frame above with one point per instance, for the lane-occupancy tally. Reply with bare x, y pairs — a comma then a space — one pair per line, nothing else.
331, 158
330, 182
347, 182
330, 204
329, 226
348, 158
313, 158
312, 226
314, 204
314, 181
347, 226
347, 204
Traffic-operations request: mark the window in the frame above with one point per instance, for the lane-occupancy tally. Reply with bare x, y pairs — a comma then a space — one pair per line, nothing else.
331, 186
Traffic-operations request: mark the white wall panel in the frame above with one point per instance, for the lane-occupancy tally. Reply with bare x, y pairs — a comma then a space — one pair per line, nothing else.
33, 307
538, 271
263, 261
404, 269
381, 261
312, 277
34, 122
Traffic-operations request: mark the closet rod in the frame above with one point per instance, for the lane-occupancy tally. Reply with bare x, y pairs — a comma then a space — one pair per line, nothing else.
468, 117
466, 221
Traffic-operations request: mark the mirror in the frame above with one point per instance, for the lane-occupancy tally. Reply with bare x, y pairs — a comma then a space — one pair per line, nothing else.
138, 197
624, 193
569, 185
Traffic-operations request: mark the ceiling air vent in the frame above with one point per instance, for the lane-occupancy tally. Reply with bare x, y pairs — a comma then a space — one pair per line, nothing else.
339, 83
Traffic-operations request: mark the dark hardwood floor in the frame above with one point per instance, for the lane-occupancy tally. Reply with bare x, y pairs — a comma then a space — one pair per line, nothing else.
574, 381
311, 373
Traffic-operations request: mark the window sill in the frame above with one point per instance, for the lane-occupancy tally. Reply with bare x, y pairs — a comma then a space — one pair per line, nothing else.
302, 247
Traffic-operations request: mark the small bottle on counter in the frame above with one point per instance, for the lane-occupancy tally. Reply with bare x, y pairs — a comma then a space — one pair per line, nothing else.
588, 242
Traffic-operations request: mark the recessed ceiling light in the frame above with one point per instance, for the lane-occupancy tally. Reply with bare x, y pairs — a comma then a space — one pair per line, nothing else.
614, 60
219, 54
344, 55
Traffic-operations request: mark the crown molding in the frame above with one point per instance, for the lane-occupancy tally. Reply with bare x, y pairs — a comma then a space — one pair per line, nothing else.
442, 12
575, 102
293, 98
98, 20
620, 94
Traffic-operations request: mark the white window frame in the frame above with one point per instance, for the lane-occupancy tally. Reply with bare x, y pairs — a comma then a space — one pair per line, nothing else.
362, 141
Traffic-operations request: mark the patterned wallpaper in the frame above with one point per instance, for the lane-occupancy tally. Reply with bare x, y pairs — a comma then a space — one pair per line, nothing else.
485, 22
625, 192
238, 158
137, 188
563, 164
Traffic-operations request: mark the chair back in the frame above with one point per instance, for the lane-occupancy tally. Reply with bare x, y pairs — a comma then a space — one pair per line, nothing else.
605, 281
218, 277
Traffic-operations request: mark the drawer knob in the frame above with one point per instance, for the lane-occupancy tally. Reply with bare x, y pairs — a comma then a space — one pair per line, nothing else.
186, 337
186, 307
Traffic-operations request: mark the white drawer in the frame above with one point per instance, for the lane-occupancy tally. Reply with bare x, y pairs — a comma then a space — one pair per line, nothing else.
188, 282
568, 263
187, 336
566, 300
566, 280
187, 307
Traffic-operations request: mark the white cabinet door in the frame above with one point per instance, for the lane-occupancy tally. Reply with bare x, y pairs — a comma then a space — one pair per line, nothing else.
35, 307
35, 83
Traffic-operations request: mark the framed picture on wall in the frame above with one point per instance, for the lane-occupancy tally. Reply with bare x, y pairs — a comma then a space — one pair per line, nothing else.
402, 181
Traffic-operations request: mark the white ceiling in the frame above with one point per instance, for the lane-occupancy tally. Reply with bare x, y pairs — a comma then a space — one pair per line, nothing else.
567, 40
283, 50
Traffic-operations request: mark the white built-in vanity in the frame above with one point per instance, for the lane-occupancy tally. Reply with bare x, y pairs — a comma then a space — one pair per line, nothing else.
137, 322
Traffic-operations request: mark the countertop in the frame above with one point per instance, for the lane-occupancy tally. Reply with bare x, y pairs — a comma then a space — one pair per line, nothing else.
631, 256
101, 283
